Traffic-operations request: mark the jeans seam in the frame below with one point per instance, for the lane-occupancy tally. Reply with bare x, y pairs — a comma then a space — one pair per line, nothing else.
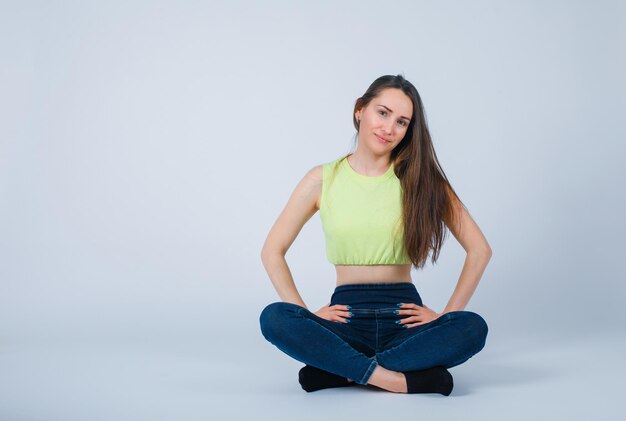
352, 337
368, 372
376, 348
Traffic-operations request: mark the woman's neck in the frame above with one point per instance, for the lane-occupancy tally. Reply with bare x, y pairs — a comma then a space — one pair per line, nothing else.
369, 164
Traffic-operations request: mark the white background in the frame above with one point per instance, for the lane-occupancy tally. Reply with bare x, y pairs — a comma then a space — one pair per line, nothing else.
146, 148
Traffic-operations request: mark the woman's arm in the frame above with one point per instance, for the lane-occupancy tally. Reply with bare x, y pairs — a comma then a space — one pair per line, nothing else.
468, 234
300, 207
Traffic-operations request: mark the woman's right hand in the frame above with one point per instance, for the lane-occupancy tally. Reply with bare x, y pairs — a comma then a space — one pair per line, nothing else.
336, 313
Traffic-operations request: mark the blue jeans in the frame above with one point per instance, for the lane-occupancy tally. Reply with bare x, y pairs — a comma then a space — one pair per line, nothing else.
372, 338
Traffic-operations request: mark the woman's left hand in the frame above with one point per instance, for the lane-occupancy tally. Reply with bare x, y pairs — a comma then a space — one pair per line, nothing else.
418, 315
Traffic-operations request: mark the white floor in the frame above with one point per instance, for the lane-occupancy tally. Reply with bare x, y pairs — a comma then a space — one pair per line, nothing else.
528, 379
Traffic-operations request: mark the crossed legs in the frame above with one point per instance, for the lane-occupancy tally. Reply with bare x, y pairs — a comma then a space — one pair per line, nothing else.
447, 341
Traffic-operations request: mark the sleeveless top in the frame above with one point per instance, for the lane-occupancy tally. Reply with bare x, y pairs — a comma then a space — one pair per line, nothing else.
362, 216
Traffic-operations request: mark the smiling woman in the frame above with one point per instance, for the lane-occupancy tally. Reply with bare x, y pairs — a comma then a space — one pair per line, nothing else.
384, 209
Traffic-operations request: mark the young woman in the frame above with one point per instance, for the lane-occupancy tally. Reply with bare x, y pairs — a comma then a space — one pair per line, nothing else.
384, 208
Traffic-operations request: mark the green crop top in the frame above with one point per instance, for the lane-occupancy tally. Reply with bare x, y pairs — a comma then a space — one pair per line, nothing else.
362, 216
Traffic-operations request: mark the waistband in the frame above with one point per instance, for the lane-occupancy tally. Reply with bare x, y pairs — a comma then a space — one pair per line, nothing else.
387, 286
376, 295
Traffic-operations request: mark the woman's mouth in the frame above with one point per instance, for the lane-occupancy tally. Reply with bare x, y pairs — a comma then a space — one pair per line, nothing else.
381, 140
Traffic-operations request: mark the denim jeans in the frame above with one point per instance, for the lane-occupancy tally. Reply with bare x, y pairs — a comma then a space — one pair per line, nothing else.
372, 337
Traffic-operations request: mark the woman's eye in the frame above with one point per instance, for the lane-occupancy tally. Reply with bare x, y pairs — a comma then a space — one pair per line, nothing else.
402, 122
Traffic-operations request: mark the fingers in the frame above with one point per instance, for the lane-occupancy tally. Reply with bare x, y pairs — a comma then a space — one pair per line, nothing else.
413, 309
411, 319
414, 321
345, 315
340, 313
411, 312
417, 315
410, 305
423, 322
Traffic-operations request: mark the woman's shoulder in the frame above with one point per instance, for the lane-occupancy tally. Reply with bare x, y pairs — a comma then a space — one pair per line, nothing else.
332, 165
316, 173
314, 178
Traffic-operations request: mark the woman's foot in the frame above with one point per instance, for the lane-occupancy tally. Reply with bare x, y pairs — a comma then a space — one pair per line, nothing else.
312, 379
392, 381
431, 380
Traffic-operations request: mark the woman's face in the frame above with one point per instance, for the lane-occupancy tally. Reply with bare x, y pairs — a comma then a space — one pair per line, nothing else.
384, 121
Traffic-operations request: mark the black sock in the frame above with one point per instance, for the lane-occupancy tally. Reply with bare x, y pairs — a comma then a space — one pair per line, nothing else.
312, 379
431, 380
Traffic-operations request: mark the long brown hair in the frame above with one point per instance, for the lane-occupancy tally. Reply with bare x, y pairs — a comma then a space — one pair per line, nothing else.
428, 200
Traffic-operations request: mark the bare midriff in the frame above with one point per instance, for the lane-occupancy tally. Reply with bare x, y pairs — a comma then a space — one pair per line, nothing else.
356, 274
